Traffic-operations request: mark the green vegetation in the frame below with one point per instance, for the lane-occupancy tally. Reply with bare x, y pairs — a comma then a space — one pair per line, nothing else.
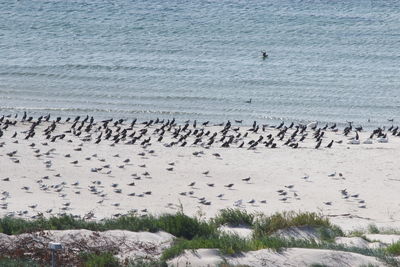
105, 259
394, 249
234, 217
265, 226
178, 225
194, 233
373, 229
6, 262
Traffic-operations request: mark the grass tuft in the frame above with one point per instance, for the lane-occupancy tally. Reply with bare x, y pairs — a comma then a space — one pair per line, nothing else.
373, 229
265, 226
394, 249
234, 217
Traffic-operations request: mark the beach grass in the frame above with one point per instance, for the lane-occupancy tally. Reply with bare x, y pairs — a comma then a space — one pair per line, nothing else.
179, 225
394, 249
193, 233
234, 217
266, 225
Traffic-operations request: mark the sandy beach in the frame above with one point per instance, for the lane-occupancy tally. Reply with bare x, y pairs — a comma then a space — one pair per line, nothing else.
98, 169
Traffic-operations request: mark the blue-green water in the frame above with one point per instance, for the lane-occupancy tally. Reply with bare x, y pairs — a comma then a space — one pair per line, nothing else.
330, 61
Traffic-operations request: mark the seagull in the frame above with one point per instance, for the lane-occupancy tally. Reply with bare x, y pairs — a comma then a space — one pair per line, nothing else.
238, 202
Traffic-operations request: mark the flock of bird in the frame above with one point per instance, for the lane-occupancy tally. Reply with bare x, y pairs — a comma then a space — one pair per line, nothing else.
42, 134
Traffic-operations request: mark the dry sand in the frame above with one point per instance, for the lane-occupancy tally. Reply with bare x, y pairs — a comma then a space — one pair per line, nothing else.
265, 257
40, 179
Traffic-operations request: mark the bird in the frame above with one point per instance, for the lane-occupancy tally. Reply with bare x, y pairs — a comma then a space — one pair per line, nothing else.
246, 179
330, 144
251, 201
318, 144
229, 185
305, 177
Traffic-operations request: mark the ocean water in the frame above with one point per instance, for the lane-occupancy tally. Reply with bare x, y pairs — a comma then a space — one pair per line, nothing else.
330, 61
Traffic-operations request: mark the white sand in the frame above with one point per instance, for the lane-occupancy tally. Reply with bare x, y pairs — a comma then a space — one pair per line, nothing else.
371, 171
299, 233
386, 239
265, 257
243, 232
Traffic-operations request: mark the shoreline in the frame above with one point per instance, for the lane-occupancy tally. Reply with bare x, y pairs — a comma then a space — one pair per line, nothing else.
65, 168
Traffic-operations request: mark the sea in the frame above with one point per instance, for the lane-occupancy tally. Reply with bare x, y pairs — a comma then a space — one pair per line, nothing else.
328, 60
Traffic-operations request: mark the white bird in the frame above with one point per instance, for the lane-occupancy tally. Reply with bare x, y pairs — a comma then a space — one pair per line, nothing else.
238, 202
383, 140
368, 141
354, 142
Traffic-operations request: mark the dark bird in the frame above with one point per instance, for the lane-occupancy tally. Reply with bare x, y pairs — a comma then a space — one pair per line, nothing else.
330, 144
318, 144
246, 179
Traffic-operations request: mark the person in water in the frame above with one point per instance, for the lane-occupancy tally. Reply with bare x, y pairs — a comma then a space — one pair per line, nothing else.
264, 54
